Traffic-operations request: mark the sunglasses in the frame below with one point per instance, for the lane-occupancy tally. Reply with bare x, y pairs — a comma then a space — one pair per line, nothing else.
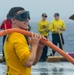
44, 16
22, 16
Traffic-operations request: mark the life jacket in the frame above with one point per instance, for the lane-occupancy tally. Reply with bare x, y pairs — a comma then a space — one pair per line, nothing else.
6, 24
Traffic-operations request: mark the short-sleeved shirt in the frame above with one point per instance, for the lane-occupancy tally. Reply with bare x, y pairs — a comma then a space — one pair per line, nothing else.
16, 52
57, 24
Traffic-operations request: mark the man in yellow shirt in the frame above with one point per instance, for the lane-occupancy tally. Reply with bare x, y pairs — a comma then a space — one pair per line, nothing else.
19, 58
57, 27
44, 28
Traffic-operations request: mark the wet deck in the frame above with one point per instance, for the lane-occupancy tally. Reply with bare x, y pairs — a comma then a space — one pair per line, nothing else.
45, 68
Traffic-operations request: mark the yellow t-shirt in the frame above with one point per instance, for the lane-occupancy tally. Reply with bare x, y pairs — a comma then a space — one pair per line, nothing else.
16, 52
57, 24
41, 27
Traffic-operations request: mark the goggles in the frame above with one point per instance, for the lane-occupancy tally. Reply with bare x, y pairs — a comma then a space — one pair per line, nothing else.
45, 16
22, 16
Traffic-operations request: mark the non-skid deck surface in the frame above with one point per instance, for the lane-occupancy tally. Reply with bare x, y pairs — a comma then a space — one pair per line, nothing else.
46, 68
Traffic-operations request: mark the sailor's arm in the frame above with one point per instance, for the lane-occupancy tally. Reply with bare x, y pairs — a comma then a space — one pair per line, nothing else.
34, 47
39, 53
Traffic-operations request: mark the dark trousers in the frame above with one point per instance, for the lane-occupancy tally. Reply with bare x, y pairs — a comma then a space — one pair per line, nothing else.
44, 53
3, 45
56, 41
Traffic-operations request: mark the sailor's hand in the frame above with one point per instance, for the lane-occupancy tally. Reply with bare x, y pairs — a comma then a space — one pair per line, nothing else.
59, 28
46, 30
57, 31
41, 45
34, 40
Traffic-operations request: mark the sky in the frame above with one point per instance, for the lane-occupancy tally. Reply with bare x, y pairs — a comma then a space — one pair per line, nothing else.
37, 7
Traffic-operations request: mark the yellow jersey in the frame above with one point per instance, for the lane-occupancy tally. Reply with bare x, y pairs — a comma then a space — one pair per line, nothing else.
57, 24
43, 26
16, 52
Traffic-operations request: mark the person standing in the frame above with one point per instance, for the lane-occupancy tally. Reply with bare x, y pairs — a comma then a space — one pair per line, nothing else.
6, 24
57, 27
43, 29
19, 57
